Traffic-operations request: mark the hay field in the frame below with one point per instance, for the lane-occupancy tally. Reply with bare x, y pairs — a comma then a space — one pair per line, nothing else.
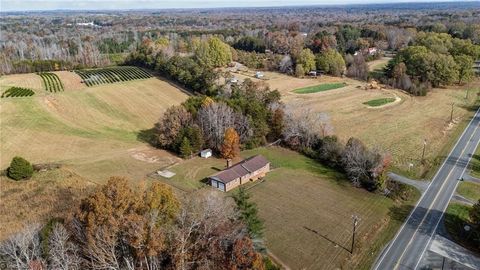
95, 131
398, 128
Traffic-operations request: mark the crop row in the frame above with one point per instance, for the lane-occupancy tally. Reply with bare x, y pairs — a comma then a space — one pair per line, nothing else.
17, 92
51, 81
93, 77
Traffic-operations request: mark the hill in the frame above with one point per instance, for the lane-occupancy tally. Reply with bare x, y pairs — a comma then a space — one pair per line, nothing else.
96, 130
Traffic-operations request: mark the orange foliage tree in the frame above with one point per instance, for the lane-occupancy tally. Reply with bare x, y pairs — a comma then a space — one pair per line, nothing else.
231, 144
117, 218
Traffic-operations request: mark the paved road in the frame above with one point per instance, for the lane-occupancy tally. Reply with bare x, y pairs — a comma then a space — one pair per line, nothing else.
405, 251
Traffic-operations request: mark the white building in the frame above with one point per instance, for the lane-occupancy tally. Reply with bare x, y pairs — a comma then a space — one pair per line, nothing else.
206, 153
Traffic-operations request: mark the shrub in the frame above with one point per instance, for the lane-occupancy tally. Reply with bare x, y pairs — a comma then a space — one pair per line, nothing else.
20, 169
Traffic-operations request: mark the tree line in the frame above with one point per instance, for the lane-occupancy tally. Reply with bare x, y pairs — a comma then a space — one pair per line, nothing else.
123, 227
432, 60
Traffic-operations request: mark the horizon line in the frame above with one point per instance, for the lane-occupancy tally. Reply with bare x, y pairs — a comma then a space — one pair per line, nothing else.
239, 7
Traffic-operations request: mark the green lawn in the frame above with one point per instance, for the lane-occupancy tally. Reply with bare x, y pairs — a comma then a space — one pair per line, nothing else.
475, 164
307, 210
456, 217
379, 102
319, 88
469, 190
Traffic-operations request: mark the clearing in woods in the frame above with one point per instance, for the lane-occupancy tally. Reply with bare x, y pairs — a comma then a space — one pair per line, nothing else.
95, 131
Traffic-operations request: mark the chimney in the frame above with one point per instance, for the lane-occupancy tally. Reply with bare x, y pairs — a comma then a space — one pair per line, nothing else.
229, 162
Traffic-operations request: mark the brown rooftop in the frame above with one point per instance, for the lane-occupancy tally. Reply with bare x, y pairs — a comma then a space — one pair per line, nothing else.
241, 168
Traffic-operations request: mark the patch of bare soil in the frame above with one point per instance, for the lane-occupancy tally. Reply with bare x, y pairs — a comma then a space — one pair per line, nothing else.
152, 155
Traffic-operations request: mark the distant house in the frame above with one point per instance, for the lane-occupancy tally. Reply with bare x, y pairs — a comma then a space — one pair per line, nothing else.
243, 172
206, 153
312, 73
372, 51
476, 67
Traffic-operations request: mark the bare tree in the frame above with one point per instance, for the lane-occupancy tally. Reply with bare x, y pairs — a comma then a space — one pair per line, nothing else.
303, 126
62, 254
22, 251
204, 218
215, 118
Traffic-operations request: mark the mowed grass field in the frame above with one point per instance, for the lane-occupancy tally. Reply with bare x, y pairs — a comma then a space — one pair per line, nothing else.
96, 131
398, 128
307, 210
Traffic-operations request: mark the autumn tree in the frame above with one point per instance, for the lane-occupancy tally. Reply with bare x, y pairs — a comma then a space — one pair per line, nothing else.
213, 53
465, 70
172, 121
364, 167
306, 60
359, 68
208, 235
119, 226
276, 123
231, 144
331, 62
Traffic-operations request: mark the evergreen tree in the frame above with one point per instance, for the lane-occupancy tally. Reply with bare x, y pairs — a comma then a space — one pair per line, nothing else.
249, 213
185, 148
20, 169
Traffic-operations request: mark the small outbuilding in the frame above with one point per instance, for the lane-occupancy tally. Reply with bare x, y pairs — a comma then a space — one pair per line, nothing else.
259, 75
206, 153
250, 169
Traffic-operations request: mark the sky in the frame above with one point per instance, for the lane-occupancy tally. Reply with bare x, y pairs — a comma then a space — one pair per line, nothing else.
24, 5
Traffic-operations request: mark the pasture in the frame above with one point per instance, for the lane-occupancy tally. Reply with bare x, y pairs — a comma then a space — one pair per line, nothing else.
398, 127
96, 132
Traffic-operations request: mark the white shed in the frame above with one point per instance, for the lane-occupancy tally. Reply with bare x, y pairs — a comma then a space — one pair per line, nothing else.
206, 153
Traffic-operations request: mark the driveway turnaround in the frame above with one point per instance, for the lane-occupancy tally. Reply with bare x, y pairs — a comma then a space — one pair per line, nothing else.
406, 250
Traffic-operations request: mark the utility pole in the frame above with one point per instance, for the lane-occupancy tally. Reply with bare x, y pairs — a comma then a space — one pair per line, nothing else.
424, 146
451, 112
355, 222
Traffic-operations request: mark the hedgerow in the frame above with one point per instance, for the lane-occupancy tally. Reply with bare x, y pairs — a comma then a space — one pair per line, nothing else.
51, 82
93, 77
17, 92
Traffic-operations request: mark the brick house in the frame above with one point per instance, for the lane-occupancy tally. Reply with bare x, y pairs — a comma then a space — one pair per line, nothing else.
247, 170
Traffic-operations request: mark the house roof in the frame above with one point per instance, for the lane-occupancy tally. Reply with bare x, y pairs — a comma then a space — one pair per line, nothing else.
241, 168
